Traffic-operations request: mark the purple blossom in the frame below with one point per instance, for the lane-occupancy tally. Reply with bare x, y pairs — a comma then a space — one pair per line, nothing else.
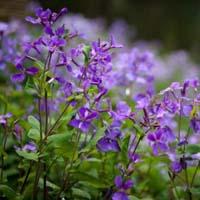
122, 186
195, 124
45, 17
142, 100
106, 144
134, 157
120, 196
160, 139
109, 141
18, 131
30, 146
83, 119
176, 167
123, 111
19, 77
3, 118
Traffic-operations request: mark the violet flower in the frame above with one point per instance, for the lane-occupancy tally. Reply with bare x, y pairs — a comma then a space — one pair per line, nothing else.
109, 141
195, 124
176, 167
30, 146
19, 77
122, 186
3, 118
45, 17
83, 119
123, 111
159, 141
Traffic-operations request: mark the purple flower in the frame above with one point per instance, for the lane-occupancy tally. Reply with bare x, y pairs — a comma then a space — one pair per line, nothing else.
134, 157
19, 77
123, 184
53, 43
18, 131
120, 196
176, 167
142, 100
106, 144
109, 141
3, 118
114, 130
83, 119
158, 140
30, 146
123, 111
195, 124
45, 17
186, 110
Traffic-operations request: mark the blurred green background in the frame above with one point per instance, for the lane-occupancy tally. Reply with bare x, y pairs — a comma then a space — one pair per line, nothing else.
176, 24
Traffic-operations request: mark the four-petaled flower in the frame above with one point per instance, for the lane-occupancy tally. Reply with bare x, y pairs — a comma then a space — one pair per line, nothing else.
109, 141
122, 186
160, 139
83, 119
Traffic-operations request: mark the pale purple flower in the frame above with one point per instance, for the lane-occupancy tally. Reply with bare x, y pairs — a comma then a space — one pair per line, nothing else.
3, 118
30, 146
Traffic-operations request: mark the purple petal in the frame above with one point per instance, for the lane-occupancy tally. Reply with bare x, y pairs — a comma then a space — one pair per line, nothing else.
84, 126
163, 146
155, 149
30, 147
118, 181
120, 196
107, 144
195, 125
18, 77
48, 30
186, 110
91, 116
32, 20
128, 184
75, 123
176, 167
151, 137
32, 71
83, 112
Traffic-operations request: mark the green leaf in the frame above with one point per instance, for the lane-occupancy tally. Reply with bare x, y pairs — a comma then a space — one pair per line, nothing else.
34, 122
8, 192
62, 144
30, 86
49, 184
28, 155
86, 52
139, 131
92, 180
193, 148
3, 104
124, 148
195, 191
80, 193
132, 197
34, 134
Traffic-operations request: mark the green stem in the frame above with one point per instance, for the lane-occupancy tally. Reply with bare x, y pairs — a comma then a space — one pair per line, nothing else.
195, 173
26, 178
4, 150
45, 192
71, 165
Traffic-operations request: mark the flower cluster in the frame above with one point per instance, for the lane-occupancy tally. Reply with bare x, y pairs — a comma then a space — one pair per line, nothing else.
95, 125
